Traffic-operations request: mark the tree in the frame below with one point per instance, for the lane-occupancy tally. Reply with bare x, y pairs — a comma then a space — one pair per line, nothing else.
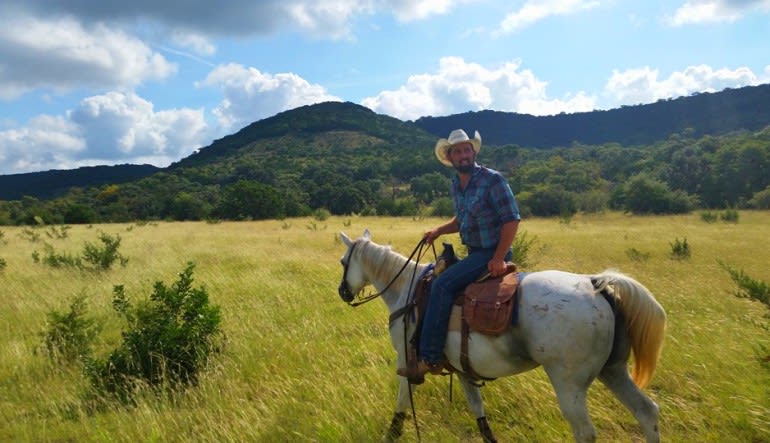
247, 199
645, 195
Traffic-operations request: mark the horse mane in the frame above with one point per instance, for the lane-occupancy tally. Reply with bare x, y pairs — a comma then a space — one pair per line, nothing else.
384, 262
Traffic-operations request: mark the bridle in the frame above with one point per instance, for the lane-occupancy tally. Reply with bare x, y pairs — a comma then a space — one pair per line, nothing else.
348, 297
352, 299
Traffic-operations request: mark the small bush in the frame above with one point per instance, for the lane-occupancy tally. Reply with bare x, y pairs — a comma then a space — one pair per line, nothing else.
522, 246
730, 216
54, 232
105, 256
169, 339
637, 255
94, 257
709, 217
69, 335
680, 250
752, 289
748, 287
321, 214
3, 263
57, 260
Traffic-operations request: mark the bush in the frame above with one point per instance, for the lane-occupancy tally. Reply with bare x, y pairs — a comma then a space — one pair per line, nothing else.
752, 289
169, 340
94, 257
70, 334
103, 257
730, 216
748, 287
523, 245
708, 216
637, 255
680, 250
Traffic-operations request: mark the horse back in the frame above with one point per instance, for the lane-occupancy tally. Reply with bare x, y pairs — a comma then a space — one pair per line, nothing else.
561, 315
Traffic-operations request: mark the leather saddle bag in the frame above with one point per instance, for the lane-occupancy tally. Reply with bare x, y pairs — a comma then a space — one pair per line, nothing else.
489, 302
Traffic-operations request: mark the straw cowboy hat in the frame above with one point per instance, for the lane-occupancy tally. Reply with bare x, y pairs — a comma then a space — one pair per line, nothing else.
456, 137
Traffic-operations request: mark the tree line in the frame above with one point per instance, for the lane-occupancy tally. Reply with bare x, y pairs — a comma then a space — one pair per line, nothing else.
301, 175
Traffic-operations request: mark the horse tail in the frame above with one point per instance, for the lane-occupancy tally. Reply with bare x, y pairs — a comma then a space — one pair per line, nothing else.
645, 321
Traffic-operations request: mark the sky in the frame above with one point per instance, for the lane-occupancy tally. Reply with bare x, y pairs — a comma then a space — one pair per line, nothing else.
104, 82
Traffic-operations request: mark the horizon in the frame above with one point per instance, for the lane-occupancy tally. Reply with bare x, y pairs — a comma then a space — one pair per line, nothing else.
119, 83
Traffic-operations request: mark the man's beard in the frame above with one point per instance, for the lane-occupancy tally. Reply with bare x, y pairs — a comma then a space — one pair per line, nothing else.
465, 169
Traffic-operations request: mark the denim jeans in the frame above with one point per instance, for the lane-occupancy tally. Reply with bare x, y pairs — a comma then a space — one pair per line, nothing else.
442, 293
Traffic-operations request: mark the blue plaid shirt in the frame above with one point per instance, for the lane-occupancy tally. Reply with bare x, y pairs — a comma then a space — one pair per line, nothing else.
483, 207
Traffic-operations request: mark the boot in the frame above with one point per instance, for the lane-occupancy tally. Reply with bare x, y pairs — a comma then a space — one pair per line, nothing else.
415, 370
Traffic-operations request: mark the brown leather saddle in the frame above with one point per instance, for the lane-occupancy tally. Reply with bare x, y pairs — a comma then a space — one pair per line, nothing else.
486, 306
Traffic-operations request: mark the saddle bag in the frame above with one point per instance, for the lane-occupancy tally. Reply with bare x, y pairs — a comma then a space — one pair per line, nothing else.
489, 302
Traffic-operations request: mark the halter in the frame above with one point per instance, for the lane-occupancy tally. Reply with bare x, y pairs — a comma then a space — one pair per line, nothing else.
347, 295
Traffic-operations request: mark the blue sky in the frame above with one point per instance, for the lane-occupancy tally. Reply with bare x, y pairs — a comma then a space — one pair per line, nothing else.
85, 82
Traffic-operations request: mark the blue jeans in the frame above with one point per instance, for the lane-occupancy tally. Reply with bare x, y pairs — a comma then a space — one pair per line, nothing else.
442, 293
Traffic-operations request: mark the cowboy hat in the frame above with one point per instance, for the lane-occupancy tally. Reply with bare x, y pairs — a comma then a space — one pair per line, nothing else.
455, 138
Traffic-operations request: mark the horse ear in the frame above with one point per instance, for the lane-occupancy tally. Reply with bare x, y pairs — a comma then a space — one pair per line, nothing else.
367, 235
345, 239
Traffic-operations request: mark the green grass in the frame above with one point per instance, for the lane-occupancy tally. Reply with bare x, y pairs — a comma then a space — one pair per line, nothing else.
300, 365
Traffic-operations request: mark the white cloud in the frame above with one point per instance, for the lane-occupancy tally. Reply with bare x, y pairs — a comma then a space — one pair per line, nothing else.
251, 95
714, 11
106, 129
45, 143
459, 87
642, 85
536, 10
62, 54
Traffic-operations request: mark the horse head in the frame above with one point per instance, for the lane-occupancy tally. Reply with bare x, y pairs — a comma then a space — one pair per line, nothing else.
353, 279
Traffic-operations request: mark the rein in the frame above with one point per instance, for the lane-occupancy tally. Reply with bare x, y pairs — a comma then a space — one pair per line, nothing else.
418, 250
355, 303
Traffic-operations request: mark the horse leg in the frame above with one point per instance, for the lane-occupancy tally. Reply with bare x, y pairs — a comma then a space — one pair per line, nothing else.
616, 378
571, 394
476, 404
402, 406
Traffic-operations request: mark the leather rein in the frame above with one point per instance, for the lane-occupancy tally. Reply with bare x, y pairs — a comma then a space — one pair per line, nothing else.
352, 299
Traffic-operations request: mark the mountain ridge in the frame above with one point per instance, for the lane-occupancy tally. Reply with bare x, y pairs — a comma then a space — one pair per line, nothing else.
744, 109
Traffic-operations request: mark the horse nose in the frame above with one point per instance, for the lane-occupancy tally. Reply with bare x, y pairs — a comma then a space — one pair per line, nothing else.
344, 292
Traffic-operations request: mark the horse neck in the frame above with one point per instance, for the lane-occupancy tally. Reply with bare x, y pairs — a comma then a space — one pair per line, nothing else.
383, 266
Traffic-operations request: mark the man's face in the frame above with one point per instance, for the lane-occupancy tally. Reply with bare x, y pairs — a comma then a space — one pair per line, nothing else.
463, 157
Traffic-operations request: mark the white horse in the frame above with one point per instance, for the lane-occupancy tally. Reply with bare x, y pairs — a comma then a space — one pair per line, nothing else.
565, 324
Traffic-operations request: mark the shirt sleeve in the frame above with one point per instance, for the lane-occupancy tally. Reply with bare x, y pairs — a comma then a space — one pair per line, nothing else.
503, 200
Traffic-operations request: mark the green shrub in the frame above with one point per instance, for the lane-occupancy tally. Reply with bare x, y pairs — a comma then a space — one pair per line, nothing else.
748, 287
523, 245
729, 216
3, 263
752, 289
637, 255
168, 340
69, 335
321, 214
94, 257
708, 216
104, 256
680, 250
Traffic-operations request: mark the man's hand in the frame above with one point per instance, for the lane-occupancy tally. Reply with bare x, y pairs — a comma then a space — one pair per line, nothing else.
432, 235
496, 267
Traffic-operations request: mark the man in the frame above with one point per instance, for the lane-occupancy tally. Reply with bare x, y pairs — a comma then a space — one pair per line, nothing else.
487, 218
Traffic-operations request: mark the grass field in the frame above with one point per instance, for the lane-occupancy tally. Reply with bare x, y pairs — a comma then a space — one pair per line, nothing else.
300, 365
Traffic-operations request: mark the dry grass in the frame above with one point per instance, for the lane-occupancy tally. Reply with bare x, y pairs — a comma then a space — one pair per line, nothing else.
302, 366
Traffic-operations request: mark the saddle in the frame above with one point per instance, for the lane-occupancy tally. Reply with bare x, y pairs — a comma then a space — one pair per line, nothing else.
486, 306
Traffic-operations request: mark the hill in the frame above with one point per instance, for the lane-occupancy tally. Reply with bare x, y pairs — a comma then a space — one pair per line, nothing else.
293, 133
344, 158
54, 183
716, 113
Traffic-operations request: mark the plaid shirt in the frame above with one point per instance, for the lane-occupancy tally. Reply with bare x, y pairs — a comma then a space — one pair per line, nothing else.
483, 207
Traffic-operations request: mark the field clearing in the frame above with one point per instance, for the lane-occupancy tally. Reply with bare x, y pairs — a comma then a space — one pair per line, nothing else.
300, 365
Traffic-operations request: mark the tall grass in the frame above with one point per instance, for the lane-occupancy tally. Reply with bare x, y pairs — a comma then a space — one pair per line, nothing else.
300, 365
